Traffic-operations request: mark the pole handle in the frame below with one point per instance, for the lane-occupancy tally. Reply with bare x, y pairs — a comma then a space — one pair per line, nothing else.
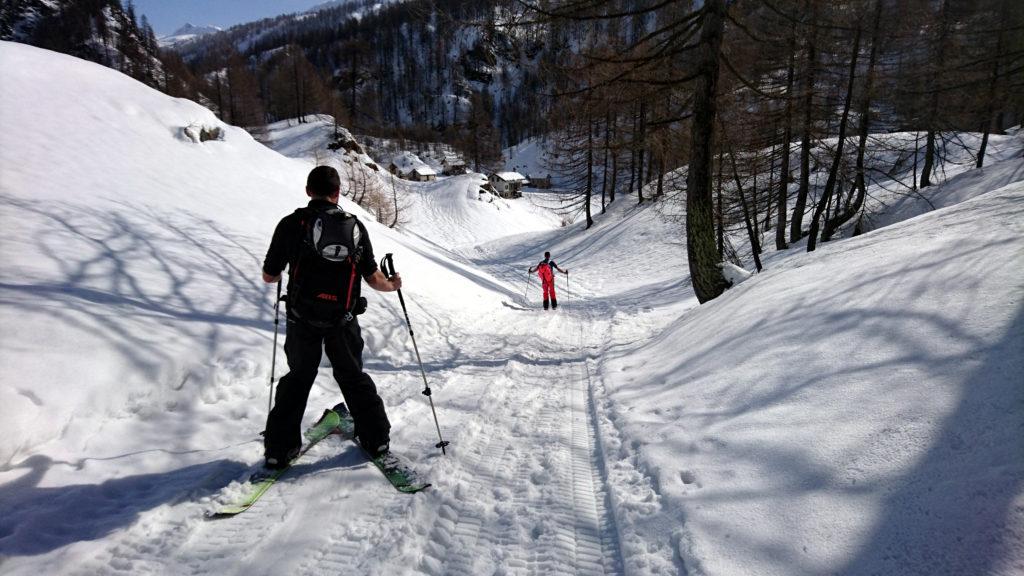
387, 265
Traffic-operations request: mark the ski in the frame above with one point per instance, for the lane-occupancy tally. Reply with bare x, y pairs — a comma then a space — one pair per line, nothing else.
395, 468
261, 482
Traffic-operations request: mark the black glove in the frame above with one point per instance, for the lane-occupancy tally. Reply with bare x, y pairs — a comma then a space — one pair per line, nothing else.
360, 306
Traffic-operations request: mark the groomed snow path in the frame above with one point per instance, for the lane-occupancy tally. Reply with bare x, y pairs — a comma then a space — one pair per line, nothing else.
522, 489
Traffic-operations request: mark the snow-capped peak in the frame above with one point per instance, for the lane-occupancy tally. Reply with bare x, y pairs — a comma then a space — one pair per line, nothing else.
187, 33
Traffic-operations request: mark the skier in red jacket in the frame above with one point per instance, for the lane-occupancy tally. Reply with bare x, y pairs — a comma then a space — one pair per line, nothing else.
545, 269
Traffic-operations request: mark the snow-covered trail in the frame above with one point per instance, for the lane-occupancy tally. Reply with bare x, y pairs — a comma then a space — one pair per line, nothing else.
523, 489
150, 316
527, 492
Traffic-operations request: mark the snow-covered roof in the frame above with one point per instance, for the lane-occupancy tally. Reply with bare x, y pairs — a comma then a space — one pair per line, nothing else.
407, 162
425, 170
509, 176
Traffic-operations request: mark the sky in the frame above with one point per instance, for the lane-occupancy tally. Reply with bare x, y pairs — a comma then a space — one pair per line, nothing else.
166, 17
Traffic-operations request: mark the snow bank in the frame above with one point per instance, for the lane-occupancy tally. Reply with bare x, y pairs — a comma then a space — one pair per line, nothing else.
130, 294
452, 213
853, 410
132, 251
958, 188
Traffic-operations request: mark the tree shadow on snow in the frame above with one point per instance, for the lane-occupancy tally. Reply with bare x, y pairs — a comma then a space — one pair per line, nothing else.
35, 520
118, 274
956, 510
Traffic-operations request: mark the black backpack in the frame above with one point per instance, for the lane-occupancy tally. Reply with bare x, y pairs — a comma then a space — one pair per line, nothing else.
324, 281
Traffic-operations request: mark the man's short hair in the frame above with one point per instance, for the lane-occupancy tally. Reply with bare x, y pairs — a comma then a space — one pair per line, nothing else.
323, 181
547, 255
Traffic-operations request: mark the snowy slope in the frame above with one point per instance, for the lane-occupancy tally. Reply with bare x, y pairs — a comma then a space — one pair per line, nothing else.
304, 140
137, 251
453, 213
137, 333
856, 410
126, 238
528, 158
1004, 165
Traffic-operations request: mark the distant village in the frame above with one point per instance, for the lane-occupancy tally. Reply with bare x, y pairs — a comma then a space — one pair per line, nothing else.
506, 184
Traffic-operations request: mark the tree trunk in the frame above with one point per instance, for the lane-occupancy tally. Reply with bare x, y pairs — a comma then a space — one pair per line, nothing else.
220, 97
299, 111
796, 227
859, 180
988, 120
353, 77
719, 219
231, 100
830, 183
753, 202
394, 198
632, 156
929, 155
590, 168
661, 178
640, 153
917, 144
768, 206
604, 164
615, 177
782, 201
755, 245
705, 271
933, 109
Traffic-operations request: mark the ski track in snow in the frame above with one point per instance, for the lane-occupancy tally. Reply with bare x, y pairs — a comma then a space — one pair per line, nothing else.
529, 497
523, 490
523, 499
167, 541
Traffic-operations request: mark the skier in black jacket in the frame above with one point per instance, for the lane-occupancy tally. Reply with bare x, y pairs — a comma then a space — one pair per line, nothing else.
323, 305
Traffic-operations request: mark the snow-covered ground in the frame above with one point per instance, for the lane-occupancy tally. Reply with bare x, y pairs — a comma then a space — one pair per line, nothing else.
528, 158
455, 214
857, 410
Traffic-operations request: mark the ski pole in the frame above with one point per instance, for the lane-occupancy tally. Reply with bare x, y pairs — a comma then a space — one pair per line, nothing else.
387, 265
526, 292
567, 286
273, 358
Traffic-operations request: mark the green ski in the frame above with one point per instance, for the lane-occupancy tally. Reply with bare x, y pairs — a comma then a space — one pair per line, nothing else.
394, 468
327, 425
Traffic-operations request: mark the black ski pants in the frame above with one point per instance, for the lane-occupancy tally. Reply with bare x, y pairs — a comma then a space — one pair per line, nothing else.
344, 346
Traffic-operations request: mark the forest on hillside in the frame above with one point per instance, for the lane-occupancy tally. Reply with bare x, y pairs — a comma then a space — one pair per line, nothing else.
756, 115
757, 97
